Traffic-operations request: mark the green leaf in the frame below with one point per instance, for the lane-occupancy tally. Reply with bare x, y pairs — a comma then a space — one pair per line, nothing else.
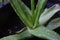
32, 10
25, 9
2, 1
39, 9
20, 36
48, 13
55, 23
43, 32
22, 11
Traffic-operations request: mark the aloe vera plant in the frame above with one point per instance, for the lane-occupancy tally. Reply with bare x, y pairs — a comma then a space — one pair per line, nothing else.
35, 20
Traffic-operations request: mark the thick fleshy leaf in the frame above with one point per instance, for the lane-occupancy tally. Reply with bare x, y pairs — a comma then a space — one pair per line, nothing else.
25, 9
43, 32
39, 9
20, 36
55, 23
48, 13
22, 11
2, 1
32, 10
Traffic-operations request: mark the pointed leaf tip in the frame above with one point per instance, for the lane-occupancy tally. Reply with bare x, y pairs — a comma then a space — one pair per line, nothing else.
48, 13
57, 7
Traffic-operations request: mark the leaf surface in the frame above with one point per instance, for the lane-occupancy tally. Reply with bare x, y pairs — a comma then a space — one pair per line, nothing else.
20, 36
43, 32
48, 13
22, 11
55, 23
39, 9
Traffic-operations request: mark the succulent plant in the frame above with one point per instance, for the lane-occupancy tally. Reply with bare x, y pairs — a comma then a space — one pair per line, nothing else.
35, 20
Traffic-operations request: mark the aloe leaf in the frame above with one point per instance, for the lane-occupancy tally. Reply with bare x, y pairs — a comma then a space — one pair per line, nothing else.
1, 1
21, 13
55, 23
25, 9
43, 32
39, 9
32, 6
48, 13
20, 36
32, 10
